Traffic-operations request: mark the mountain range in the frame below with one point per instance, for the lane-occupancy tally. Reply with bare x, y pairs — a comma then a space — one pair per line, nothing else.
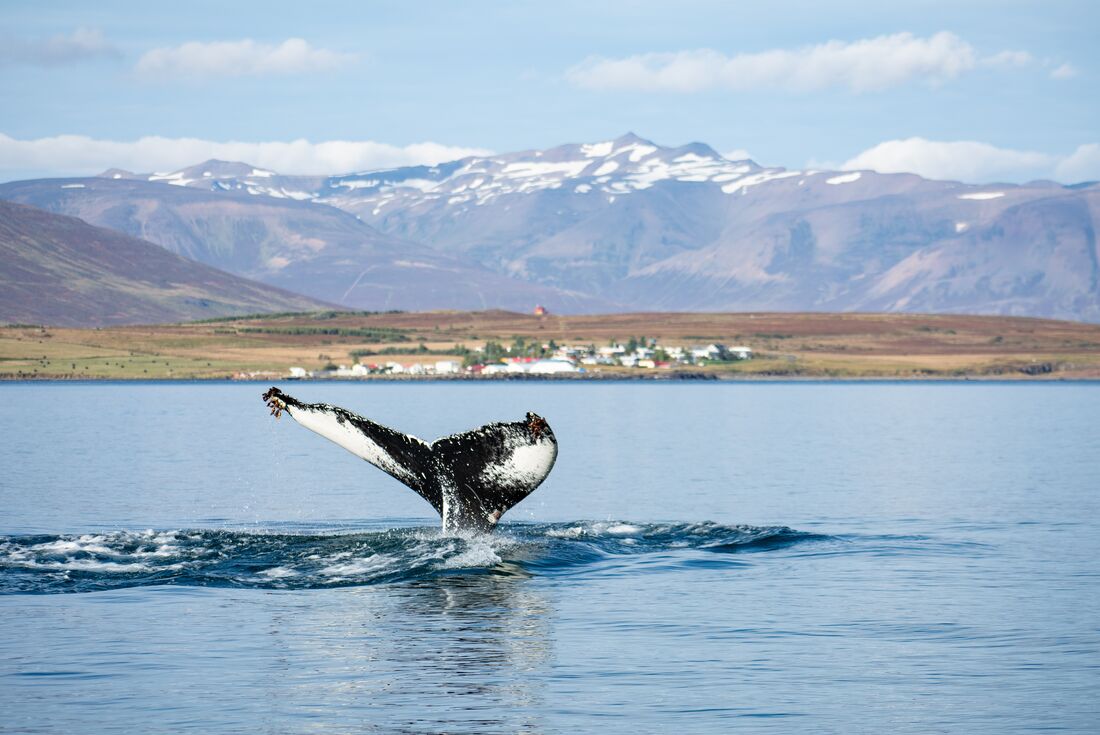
313, 249
612, 226
62, 271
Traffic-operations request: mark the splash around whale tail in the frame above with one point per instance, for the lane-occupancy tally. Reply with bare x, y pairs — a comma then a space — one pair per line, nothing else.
471, 479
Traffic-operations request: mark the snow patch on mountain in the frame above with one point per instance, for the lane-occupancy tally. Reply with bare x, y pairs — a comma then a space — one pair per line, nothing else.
523, 170
637, 151
744, 183
175, 178
598, 150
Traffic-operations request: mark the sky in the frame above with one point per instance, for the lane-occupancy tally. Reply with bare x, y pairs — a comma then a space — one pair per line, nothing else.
973, 90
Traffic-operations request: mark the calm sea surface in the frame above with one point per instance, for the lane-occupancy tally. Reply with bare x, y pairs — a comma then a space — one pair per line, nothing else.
772, 557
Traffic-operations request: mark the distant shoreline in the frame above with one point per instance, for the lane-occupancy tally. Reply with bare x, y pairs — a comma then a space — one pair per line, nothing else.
606, 378
784, 347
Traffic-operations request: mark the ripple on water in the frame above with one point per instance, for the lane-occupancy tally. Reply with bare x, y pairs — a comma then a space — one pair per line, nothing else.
222, 558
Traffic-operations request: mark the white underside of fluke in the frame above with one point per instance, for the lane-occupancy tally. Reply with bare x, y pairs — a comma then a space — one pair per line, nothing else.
350, 438
527, 464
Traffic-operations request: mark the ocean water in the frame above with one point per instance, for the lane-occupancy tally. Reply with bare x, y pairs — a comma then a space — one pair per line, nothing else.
761, 557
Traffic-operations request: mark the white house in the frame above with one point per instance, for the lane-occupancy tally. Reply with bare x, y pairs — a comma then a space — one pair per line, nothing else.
710, 352
549, 367
357, 370
447, 367
297, 373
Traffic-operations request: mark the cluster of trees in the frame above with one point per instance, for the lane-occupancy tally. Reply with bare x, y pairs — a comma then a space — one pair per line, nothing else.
421, 349
316, 315
659, 353
520, 347
373, 334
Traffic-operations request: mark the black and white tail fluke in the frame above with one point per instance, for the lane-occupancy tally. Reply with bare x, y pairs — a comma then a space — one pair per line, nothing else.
471, 479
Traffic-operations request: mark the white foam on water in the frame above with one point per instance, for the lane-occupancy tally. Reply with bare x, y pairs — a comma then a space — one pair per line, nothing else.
573, 532
623, 529
104, 553
30, 558
91, 565
597, 528
164, 544
357, 567
481, 552
278, 573
73, 546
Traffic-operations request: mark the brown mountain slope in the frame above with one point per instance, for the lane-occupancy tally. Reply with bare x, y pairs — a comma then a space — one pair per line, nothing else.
62, 271
312, 249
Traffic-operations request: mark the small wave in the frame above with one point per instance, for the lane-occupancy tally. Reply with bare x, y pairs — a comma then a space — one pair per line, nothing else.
217, 558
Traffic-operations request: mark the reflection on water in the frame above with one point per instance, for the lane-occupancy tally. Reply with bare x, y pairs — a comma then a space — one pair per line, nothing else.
456, 654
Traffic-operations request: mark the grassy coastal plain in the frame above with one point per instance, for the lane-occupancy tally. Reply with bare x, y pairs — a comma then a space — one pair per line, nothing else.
809, 345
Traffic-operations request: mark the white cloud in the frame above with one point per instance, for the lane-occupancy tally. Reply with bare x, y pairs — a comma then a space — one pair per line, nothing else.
81, 45
197, 59
78, 155
1065, 71
865, 65
976, 162
1008, 59
1081, 165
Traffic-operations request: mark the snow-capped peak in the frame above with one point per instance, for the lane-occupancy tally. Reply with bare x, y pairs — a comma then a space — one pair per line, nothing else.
118, 173
610, 168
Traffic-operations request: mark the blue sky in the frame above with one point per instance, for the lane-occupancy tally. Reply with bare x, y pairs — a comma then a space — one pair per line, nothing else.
975, 90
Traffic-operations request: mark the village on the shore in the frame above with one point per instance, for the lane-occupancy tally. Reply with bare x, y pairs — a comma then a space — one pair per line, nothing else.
539, 359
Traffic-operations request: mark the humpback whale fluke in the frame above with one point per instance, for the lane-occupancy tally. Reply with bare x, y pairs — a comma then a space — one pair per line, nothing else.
471, 479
